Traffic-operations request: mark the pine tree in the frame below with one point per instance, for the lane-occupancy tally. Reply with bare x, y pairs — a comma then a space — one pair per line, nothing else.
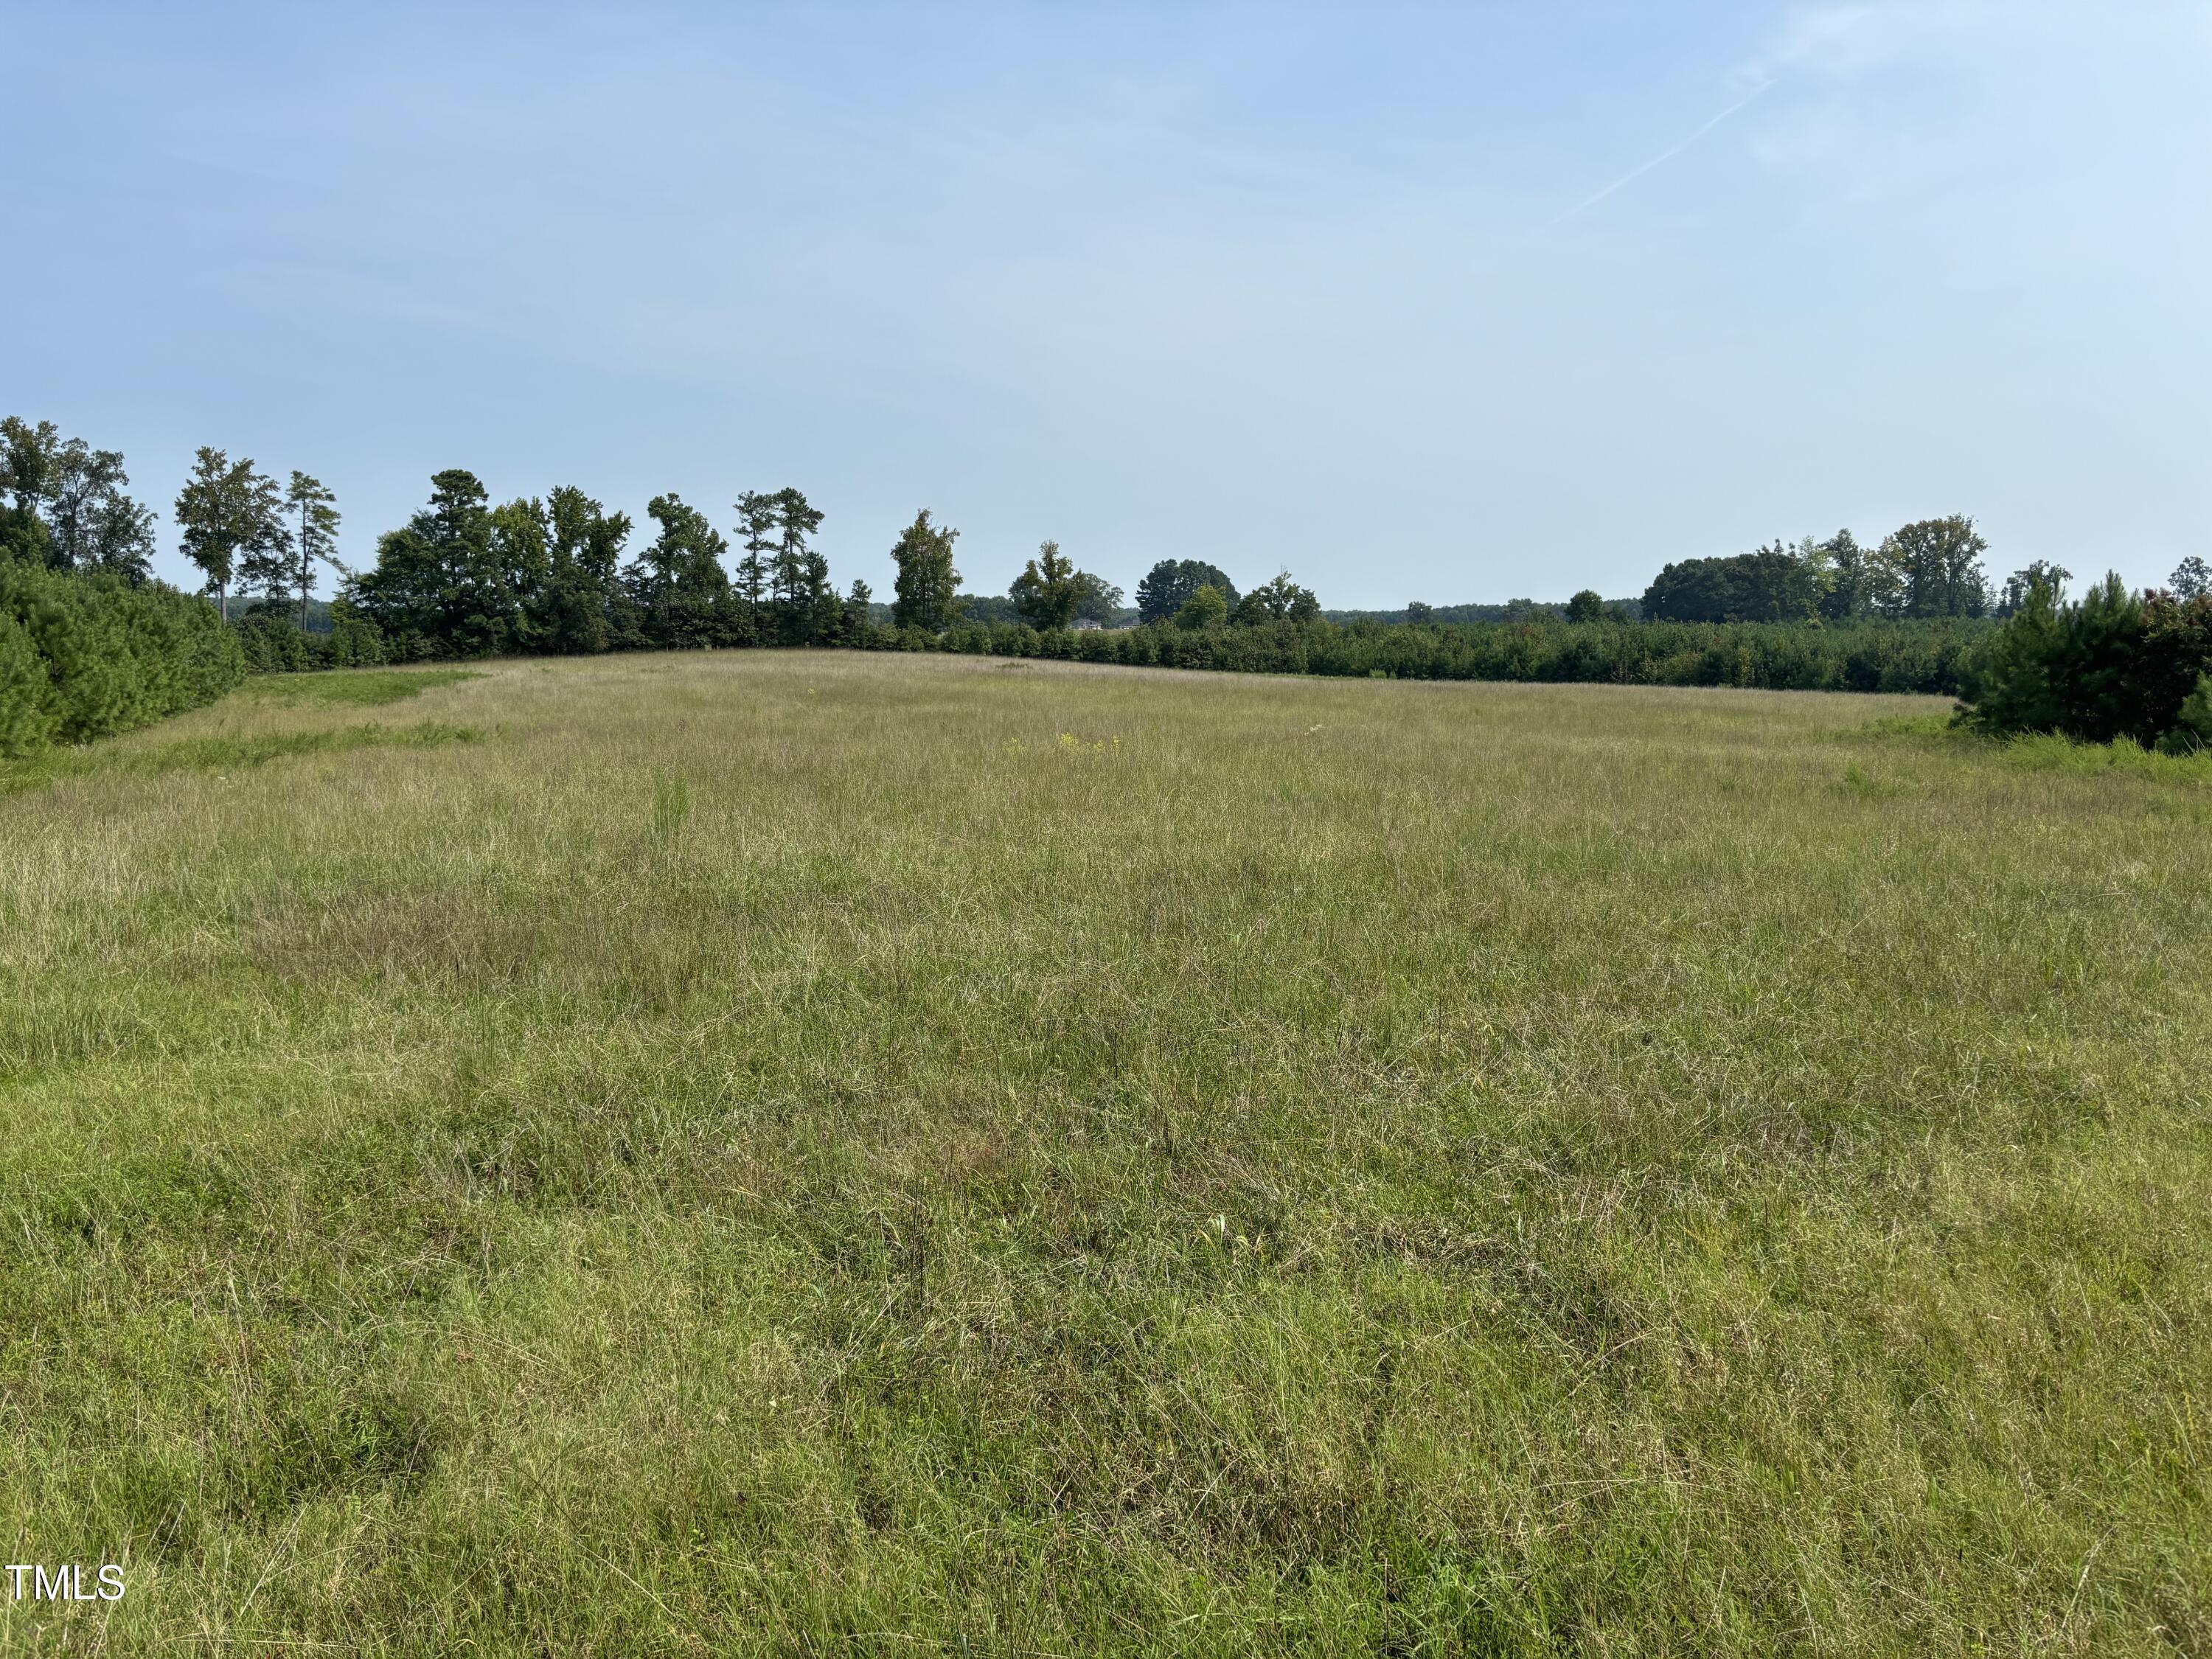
437, 587
757, 525
315, 541
798, 580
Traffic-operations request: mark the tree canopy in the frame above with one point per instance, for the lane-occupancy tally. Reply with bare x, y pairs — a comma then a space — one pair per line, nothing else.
1169, 584
230, 519
928, 585
1046, 593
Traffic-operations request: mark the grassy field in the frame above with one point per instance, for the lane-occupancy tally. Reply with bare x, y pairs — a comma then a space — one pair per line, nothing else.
847, 1154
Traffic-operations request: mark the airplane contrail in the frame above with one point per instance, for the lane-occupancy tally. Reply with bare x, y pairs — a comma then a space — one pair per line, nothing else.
1664, 155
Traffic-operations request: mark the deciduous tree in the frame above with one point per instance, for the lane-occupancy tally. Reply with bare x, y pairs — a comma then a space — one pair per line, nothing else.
1096, 599
1771, 584
581, 608
1938, 566
1850, 579
27, 460
230, 518
1206, 608
2038, 573
928, 584
1161, 594
682, 591
1278, 600
1045, 594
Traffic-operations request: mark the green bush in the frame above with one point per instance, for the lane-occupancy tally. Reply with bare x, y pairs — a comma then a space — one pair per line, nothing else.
273, 644
83, 656
2115, 666
2194, 730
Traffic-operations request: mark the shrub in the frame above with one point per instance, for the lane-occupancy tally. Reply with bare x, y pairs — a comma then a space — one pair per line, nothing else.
2114, 665
85, 655
2193, 730
26, 718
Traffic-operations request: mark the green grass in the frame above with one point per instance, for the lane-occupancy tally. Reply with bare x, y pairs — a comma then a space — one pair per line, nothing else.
221, 752
789, 1152
360, 687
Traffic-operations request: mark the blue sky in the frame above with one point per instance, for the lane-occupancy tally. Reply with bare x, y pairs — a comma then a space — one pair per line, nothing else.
1429, 302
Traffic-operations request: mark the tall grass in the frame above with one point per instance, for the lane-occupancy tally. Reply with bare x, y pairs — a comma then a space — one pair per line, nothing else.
846, 1153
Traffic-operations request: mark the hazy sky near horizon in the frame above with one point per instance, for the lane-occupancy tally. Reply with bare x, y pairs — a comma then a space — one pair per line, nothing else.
1449, 302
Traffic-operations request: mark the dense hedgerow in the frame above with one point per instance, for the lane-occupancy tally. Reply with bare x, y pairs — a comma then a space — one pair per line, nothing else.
1933, 656
1875, 656
83, 655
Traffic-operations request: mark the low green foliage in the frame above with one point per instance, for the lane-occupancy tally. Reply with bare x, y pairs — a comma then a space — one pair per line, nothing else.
836, 1153
223, 753
274, 643
84, 655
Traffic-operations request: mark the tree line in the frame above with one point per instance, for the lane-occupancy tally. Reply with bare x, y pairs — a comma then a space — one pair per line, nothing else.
1931, 568
555, 574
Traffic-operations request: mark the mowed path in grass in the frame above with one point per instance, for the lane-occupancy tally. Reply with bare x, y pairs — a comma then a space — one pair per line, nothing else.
770, 1152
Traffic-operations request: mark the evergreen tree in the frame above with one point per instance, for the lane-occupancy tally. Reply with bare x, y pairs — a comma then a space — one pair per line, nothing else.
2192, 578
804, 604
756, 526
314, 534
853, 629
927, 585
23, 537
438, 588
